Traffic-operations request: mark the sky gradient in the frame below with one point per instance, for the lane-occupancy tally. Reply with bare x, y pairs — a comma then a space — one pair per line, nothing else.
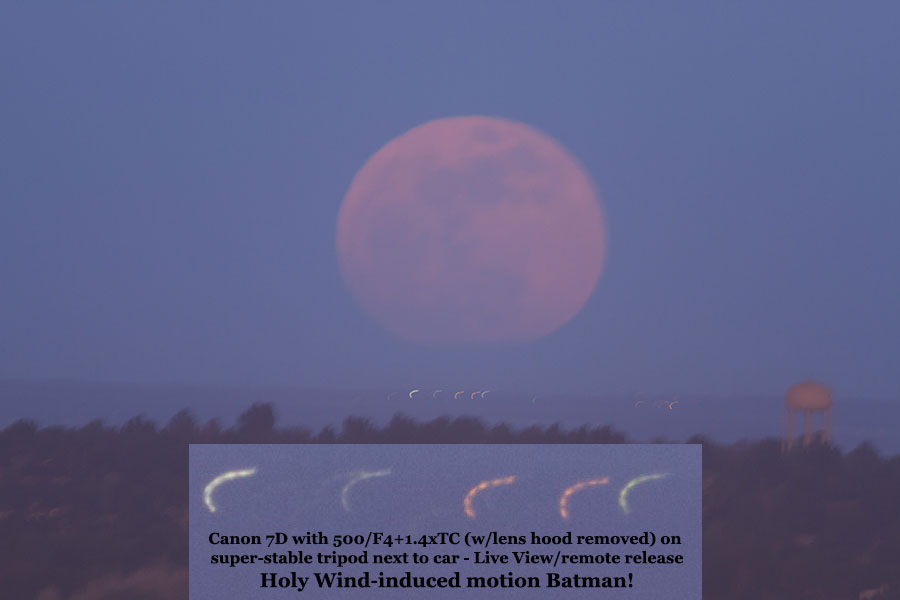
172, 174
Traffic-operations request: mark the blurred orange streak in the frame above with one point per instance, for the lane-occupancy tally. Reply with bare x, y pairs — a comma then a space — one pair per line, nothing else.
467, 501
567, 493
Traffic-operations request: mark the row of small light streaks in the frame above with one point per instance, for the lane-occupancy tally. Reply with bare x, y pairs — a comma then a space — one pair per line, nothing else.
480, 394
356, 477
670, 404
567, 494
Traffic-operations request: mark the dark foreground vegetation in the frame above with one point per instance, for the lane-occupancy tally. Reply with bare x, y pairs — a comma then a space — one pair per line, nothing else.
100, 513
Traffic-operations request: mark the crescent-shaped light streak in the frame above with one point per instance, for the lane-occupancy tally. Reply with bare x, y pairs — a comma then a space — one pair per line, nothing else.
356, 477
456, 395
574, 489
671, 404
484, 392
435, 393
490, 483
411, 394
638, 403
473, 394
219, 480
623, 495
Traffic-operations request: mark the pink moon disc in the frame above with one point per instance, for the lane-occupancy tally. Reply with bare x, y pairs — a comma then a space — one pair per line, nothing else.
471, 229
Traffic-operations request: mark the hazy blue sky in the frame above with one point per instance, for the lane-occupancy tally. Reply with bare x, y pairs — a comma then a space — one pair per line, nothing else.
170, 177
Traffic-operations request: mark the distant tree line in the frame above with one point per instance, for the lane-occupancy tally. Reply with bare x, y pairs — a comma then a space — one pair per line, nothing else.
101, 513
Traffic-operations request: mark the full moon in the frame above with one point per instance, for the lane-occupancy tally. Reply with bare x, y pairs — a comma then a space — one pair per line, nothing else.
471, 230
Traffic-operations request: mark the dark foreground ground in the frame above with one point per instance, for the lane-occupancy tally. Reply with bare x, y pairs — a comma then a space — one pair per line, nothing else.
101, 512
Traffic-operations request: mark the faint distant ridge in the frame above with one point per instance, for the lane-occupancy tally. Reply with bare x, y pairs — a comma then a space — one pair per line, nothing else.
73, 402
258, 425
